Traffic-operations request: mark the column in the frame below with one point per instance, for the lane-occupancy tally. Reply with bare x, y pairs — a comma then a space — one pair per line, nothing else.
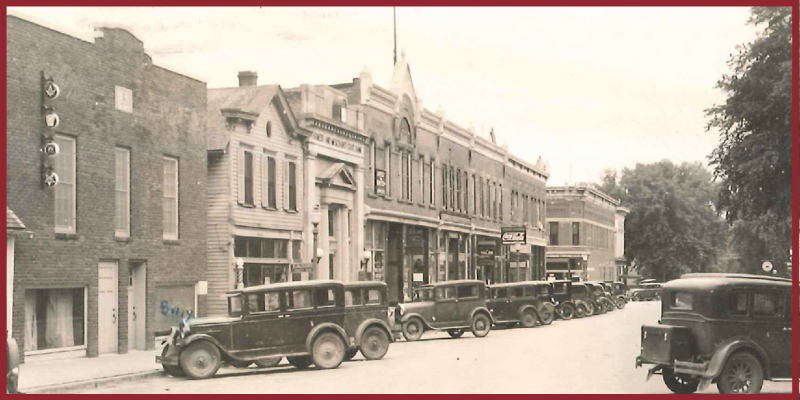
343, 264
358, 225
309, 199
322, 235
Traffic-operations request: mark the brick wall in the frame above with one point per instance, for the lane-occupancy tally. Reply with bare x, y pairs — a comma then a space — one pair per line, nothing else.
168, 118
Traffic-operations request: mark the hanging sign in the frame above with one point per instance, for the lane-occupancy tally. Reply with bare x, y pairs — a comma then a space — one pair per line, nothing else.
514, 235
50, 178
52, 90
766, 266
51, 120
51, 149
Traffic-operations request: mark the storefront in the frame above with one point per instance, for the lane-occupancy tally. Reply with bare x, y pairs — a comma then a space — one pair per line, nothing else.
266, 260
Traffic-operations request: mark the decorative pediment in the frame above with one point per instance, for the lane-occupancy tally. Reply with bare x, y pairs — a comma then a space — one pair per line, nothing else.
337, 175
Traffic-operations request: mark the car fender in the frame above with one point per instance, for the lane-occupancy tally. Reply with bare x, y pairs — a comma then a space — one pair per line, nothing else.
201, 336
415, 315
372, 322
481, 309
730, 346
570, 302
326, 326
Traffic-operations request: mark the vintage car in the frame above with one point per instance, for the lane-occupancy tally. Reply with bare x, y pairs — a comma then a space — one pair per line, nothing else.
619, 291
366, 318
602, 296
569, 303
302, 321
12, 366
453, 306
519, 303
584, 300
734, 330
646, 291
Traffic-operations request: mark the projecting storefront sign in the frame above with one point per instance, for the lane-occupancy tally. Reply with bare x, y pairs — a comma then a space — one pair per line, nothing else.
514, 235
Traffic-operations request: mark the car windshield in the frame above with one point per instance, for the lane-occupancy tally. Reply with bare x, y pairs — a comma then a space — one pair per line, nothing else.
423, 295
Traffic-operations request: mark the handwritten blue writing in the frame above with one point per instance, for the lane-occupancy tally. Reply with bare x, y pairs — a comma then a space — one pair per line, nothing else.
168, 309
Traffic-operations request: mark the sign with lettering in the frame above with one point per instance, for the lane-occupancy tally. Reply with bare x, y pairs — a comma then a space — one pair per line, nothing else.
380, 182
486, 250
514, 235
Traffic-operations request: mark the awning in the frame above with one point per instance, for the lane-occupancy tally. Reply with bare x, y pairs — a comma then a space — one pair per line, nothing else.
14, 226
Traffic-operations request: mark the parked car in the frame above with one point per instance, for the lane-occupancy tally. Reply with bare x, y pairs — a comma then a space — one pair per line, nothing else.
520, 303
302, 321
730, 329
12, 366
366, 318
646, 291
453, 306
619, 292
569, 303
601, 297
584, 300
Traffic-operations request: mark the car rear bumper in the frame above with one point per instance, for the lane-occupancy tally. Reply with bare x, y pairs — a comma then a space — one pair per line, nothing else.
681, 367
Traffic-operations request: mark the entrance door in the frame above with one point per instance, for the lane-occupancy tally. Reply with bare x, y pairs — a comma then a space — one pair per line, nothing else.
107, 307
136, 307
394, 267
453, 268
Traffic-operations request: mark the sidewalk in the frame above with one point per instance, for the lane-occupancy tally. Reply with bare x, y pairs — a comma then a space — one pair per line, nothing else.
77, 374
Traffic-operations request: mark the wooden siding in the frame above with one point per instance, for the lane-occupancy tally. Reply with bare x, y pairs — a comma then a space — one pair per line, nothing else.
218, 259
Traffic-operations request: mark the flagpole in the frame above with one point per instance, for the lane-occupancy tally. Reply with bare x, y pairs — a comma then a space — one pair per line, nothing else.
394, 16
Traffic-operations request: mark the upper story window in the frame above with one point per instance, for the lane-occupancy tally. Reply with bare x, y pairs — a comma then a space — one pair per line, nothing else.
340, 111
122, 192
457, 177
248, 178
272, 196
444, 186
170, 198
405, 131
269, 128
554, 233
65, 191
576, 233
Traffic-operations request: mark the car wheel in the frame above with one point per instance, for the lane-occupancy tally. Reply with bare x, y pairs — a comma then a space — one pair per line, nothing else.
455, 333
547, 313
239, 364
567, 312
350, 353
620, 303
374, 343
636, 297
528, 319
742, 374
327, 351
268, 362
609, 305
172, 370
201, 360
481, 324
299, 362
412, 329
679, 383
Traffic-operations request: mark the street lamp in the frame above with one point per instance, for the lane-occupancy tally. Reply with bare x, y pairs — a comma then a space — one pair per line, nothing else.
320, 253
365, 256
240, 273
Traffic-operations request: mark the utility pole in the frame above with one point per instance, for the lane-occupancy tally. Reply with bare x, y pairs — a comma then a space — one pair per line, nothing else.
394, 16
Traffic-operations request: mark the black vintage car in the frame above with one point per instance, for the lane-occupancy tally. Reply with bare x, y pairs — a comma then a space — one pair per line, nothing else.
646, 291
601, 296
618, 291
734, 330
520, 303
453, 306
302, 321
366, 318
570, 303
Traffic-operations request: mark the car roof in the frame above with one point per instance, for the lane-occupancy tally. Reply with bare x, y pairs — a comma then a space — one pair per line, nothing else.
513, 284
706, 281
458, 282
364, 284
286, 285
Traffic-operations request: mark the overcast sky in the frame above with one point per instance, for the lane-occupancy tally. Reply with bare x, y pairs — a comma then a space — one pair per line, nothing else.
584, 88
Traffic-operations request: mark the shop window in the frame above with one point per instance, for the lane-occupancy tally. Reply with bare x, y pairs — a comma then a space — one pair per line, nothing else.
296, 250
54, 318
65, 191
264, 274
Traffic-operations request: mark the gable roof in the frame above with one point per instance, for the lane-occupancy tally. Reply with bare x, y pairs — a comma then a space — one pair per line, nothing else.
329, 175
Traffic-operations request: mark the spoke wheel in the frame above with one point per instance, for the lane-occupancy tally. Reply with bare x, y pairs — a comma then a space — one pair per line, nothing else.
172, 370
680, 383
412, 329
201, 360
268, 362
742, 374
528, 319
327, 351
455, 333
547, 313
567, 312
374, 343
481, 324
299, 362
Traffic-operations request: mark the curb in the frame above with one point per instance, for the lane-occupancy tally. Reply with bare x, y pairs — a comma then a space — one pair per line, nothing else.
74, 387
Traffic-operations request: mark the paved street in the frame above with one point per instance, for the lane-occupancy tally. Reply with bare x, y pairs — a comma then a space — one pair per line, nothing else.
590, 355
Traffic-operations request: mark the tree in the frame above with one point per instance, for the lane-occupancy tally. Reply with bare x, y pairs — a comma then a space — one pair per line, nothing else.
610, 186
673, 227
753, 161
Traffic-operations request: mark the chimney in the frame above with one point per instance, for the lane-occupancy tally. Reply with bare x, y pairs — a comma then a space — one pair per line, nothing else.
248, 78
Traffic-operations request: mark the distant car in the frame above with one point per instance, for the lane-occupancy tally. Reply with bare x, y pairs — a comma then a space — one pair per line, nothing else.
734, 330
453, 306
619, 292
12, 366
601, 297
646, 291
571, 301
519, 303
302, 321
366, 318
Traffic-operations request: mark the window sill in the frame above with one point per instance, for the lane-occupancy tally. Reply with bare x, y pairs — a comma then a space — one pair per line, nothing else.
247, 205
123, 239
388, 198
372, 195
67, 236
270, 208
292, 211
433, 207
421, 205
172, 242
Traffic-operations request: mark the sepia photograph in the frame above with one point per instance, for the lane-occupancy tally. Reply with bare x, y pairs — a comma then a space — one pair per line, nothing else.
271, 200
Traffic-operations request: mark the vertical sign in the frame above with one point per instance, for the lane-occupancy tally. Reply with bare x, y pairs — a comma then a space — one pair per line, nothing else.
49, 150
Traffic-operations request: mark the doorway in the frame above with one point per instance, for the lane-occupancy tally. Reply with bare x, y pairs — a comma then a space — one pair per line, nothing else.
136, 306
107, 282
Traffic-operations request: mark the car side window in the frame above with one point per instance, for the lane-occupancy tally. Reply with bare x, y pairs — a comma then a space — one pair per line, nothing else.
374, 297
767, 305
298, 300
444, 293
736, 304
325, 298
499, 293
560, 288
352, 298
517, 292
467, 291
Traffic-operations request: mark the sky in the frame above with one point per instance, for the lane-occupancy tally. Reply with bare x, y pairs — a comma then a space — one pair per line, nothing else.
584, 88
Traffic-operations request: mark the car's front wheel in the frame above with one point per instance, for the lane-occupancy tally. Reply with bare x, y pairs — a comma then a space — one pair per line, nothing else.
581, 311
200, 360
172, 370
374, 343
567, 312
528, 319
742, 374
636, 297
547, 313
299, 362
680, 383
620, 303
268, 362
412, 329
327, 351
481, 324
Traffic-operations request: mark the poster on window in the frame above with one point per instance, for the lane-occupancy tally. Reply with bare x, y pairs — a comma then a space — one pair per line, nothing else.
380, 182
173, 305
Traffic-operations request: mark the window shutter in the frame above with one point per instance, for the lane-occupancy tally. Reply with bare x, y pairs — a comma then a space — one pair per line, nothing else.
240, 177
257, 180
264, 182
285, 185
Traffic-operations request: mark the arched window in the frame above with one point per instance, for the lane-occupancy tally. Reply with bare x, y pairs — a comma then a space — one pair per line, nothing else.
405, 131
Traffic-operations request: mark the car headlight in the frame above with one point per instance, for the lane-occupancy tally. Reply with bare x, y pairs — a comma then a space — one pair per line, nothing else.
15, 371
402, 310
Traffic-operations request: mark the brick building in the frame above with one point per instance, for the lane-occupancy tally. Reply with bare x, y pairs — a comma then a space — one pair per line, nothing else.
256, 196
582, 226
119, 242
424, 220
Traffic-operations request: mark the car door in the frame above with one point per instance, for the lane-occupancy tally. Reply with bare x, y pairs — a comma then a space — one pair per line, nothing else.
468, 298
259, 330
446, 306
772, 329
297, 319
